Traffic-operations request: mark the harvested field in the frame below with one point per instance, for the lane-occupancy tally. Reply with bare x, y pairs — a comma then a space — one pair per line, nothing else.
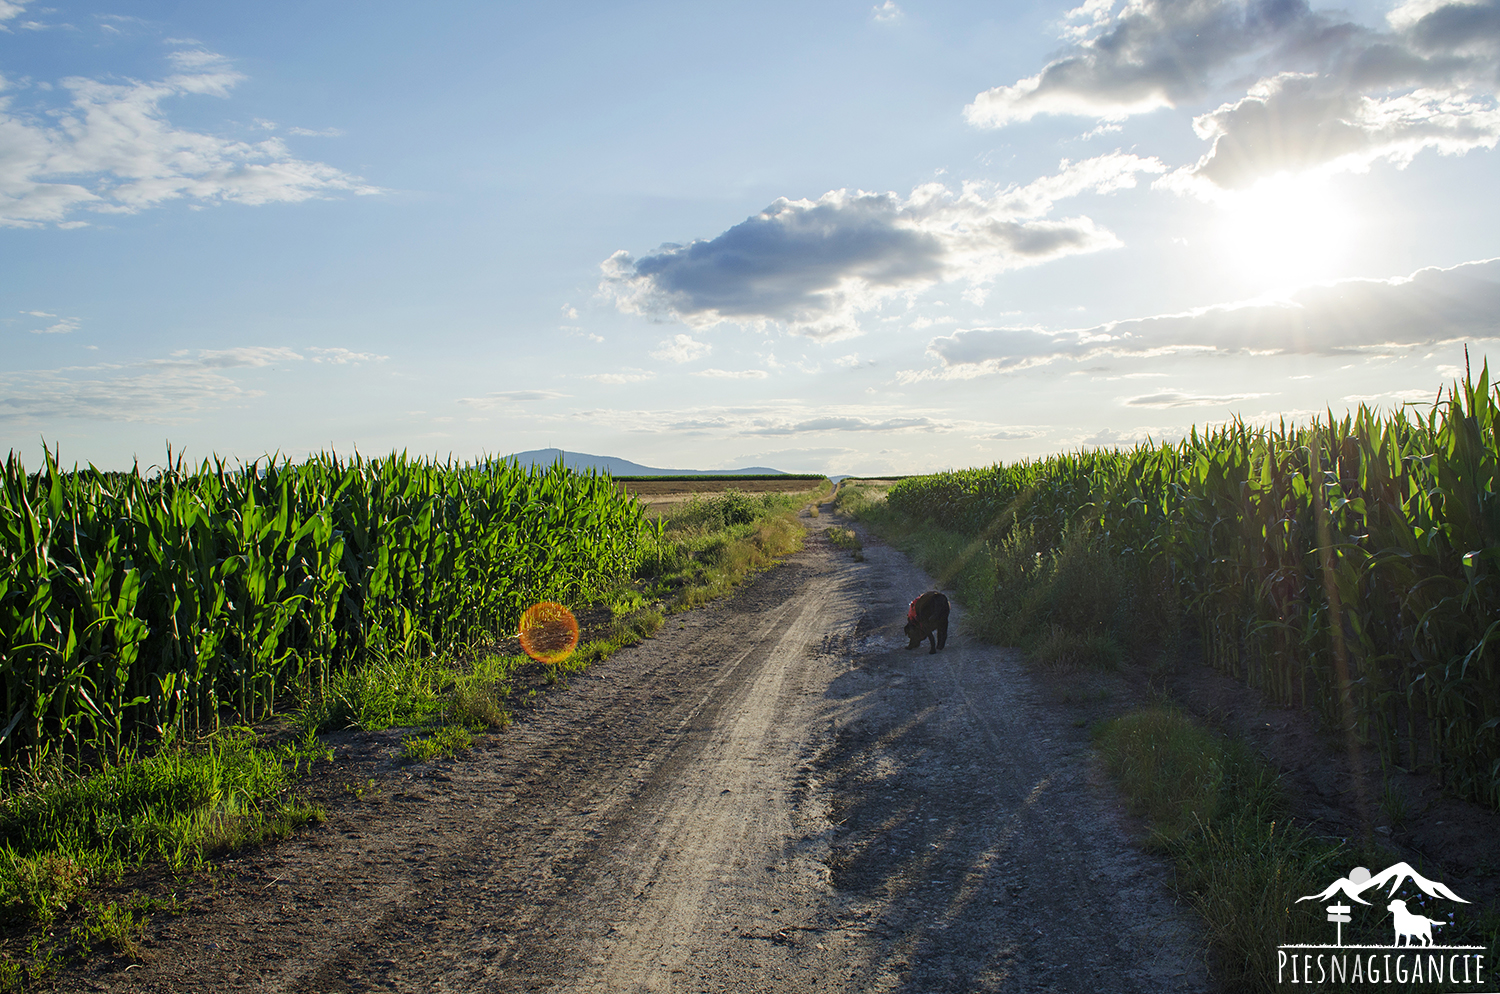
660, 496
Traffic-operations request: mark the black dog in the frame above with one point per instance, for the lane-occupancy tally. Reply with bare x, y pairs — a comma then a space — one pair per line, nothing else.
928, 618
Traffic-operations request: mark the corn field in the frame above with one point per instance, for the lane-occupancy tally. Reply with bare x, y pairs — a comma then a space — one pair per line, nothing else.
134, 606
1351, 565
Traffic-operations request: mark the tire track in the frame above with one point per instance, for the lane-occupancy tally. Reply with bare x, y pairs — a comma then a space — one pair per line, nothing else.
771, 794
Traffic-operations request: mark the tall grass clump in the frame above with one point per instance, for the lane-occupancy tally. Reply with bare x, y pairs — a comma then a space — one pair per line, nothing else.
67, 832
1219, 812
137, 605
707, 545
1348, 565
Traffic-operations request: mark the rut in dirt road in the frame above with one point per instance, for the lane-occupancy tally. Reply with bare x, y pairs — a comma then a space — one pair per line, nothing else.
772, 794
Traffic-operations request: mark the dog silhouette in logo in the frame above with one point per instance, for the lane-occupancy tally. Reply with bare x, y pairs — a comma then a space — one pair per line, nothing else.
927, 617
1410, 926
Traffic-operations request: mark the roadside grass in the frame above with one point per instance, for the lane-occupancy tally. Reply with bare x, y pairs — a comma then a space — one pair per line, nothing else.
846, 538
1213, 807
68, 834
709, 545
448, 741
1219, 812
1070, 607
856, 499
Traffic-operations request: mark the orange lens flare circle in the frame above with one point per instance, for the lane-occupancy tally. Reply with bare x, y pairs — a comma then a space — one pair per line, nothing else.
549, 632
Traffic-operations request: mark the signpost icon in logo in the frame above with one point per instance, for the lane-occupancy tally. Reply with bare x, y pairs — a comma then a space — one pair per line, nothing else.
1339, 913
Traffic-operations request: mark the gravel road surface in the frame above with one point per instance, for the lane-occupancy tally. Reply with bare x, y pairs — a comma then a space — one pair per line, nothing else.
772, 794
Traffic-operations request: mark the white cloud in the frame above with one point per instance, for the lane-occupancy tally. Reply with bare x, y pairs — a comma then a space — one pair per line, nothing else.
10, 11
886, 13
114, 151
170, 395
1016, 433
682, 348
344, 357
504, 398
1298, 122
1152, 54
834, 423
852, 361
1430, 307
1393, 397
1185, 398
251, 355
782, 419
170, 390
196, 59
813, 266
733, 374
309, 133
1113, 438
61, 327
1330, 94
623, 376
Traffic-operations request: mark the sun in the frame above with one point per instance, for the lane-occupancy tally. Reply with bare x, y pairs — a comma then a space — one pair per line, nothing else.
1286, 231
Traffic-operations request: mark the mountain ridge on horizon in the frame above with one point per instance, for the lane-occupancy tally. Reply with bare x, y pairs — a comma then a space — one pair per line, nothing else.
615, 466
1396, 874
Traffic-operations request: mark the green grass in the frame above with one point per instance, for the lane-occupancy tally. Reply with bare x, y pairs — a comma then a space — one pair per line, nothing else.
845, 538
66, 835
1219, 812
118, 926
709, 545
449, 741
857, 500
1214, 807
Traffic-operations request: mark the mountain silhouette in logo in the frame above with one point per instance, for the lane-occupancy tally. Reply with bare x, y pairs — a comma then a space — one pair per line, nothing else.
1360, 880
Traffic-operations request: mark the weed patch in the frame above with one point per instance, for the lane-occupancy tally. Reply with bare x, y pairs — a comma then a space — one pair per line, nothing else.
69, 833
709, 545
113, 925
846, 538
1219, 812
449, 742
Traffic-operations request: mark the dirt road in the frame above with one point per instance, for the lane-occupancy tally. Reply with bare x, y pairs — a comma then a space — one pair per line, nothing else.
772, 794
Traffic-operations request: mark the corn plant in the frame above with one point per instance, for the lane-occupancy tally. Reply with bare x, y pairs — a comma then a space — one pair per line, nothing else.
151, 603
1350, 565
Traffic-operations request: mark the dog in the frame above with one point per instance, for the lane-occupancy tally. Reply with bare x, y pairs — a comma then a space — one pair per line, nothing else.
927, 617
1409, 927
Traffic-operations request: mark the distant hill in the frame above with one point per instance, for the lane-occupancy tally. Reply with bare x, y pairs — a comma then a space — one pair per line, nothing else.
615, 466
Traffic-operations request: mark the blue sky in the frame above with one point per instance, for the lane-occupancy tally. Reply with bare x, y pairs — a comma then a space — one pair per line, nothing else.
851, 238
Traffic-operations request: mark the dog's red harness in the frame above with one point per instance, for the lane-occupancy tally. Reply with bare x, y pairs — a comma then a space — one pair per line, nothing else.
911, 610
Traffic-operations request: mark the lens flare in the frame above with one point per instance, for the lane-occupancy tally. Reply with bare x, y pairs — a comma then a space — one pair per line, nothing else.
549, 632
